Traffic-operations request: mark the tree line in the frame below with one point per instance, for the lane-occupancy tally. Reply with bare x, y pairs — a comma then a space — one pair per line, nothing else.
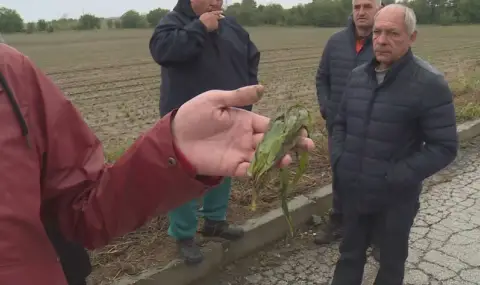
319, 13
12, 22
334, 13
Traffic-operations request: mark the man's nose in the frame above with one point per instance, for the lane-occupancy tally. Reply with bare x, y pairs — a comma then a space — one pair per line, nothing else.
381, 39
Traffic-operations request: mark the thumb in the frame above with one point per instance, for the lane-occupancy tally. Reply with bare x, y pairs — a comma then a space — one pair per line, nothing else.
244, 96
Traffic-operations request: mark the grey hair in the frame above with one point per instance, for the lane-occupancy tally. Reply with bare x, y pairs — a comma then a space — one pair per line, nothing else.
378, 2
410, 20
410, 17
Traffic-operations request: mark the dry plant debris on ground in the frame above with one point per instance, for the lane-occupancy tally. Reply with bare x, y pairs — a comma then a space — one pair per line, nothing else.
111, 78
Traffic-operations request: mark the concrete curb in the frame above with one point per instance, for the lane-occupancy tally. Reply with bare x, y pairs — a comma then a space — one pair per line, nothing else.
259, 232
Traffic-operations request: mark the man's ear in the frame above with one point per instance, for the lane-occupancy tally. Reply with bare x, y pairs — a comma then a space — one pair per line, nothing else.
413, 37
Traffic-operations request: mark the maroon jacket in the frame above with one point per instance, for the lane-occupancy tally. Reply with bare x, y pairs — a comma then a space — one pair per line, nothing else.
52, 166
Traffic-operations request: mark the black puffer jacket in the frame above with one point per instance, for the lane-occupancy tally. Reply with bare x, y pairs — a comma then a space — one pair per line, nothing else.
194, 61
339, 58
388, 138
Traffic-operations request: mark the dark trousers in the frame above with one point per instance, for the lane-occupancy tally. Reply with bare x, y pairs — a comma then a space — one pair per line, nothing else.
73, 257
395, 223
337, 203
378, 228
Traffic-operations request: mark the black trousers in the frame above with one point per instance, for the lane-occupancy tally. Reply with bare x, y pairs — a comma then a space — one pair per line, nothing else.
395, 223
379, 228
73, 257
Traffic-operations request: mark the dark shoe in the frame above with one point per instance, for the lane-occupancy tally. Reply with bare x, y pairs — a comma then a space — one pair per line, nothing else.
190, 251
327, 235
376, 253
332, 231
222, 229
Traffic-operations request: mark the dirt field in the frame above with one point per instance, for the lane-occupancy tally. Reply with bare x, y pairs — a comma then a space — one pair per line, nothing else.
111, 78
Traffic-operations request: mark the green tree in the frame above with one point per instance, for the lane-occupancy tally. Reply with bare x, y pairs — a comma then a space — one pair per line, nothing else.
133, 20
326, 13
245, 12
154, 16
272, 14
42, 25
469, 11
387, 2
30, 28
89, 22
10, 21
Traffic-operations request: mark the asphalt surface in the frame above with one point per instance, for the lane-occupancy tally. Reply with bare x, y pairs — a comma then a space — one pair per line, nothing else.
444, 243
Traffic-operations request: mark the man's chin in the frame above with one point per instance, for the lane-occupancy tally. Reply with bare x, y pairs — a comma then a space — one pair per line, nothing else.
382, 57
361, 22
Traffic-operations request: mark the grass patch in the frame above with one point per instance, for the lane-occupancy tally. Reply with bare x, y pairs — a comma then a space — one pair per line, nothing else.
466, 89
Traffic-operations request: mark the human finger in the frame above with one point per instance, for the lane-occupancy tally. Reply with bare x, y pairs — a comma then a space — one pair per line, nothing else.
257, 139
285, 161
305, 144
241, 170
244, 96
260, 123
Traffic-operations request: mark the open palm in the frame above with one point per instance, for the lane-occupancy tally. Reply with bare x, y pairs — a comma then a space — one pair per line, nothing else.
218, 139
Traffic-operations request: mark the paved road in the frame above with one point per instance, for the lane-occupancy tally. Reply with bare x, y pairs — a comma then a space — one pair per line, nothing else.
444, 245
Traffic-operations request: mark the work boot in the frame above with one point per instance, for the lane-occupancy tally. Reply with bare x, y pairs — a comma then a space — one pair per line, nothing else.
221, 229
190, 251
331, 231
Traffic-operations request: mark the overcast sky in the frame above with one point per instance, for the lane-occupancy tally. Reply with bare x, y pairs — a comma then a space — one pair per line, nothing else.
33, 10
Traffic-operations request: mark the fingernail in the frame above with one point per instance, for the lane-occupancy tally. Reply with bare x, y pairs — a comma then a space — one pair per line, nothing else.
260, 91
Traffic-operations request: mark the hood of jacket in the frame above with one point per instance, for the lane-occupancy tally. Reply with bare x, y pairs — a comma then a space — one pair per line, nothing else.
185, 7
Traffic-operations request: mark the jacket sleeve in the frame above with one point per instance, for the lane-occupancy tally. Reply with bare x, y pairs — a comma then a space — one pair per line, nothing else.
173, 43
253, 62
437, 124
323, 80
92, 201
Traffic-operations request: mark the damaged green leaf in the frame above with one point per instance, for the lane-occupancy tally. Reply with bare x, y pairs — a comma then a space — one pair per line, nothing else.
280, 138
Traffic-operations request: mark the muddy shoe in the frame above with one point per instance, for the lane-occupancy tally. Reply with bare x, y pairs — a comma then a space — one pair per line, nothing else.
221, 229
329, 233
327, 236
190, 251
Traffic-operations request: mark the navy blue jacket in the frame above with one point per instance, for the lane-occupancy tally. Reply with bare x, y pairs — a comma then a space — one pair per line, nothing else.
389, 137
194, 61
339, 58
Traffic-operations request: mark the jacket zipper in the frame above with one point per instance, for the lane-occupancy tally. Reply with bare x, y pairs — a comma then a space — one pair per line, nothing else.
369, 115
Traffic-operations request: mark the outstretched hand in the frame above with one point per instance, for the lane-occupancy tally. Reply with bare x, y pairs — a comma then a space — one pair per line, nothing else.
219, 139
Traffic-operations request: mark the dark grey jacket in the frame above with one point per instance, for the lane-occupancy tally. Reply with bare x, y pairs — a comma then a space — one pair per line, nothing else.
193, 60
388, 138
338, 59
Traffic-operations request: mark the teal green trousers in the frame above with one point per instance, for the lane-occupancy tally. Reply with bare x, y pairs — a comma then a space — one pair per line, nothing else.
184, 219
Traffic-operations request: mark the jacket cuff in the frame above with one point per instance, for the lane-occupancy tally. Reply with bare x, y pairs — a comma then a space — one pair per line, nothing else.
189, 168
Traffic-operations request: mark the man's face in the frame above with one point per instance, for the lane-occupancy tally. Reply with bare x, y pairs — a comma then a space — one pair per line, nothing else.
203, 6
363, 13
216, 5
390, 36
